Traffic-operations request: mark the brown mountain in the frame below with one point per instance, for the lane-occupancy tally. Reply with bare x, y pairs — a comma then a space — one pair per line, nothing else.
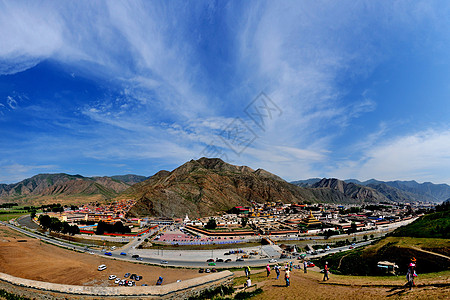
351, 190
60, 186
209, 185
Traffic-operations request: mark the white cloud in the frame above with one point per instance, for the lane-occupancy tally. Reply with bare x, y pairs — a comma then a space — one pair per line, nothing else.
12, 173
420, 156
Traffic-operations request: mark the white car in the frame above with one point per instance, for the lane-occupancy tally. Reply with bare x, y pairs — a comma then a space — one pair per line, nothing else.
117, 280
90, 252
101, 267
165, 262
272, 260
130, 283
111, 277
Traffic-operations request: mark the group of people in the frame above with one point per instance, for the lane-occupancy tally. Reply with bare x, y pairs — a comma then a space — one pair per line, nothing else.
277, 269
410, 275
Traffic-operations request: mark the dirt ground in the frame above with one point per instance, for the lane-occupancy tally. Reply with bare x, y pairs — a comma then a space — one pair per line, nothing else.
311, 286
28, 258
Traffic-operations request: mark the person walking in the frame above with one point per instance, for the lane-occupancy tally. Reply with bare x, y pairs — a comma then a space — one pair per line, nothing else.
277, 270
247, 271
325, 272
287, 277
290, 266
411, 273
305, 266
268, 270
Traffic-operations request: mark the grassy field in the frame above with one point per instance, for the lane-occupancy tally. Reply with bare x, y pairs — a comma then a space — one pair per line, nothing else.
11, 215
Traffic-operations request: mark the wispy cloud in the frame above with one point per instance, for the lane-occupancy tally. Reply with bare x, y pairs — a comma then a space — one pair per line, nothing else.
175, 75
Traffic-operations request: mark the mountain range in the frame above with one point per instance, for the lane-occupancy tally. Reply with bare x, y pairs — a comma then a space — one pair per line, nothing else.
47, 187
208, 186
401, 191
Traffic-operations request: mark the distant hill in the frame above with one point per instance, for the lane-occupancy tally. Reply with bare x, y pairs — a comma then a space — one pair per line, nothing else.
307, 182
209, 185
398, 191
351, 190
60, 186
129, 178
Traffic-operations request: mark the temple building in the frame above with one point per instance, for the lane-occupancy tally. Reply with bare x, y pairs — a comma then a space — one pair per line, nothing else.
310, 221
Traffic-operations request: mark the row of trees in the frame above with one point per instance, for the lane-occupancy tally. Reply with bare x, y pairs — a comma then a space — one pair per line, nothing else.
117, 227
54, 224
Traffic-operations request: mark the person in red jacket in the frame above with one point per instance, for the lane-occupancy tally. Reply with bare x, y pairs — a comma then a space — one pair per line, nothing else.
325, 272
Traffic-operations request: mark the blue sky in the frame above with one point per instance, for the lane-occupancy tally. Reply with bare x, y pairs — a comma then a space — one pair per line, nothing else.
346, 89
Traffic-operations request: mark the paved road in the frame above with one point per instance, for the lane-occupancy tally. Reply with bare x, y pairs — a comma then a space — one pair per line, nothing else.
173, 257
171, 262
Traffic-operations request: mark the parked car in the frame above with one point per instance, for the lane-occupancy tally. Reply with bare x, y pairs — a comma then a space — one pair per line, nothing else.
211, 264
111, 277
227, 260
239, 259
101, 267
138, 278
135, 256
219, 260
126, 275
130, 283
210, 260
164, 262
145, 284
123, 253
133, 276
226, 253
310, 264
117, 280
108, 253
201, 271
214, 270
272, 260
207, 271
351, 247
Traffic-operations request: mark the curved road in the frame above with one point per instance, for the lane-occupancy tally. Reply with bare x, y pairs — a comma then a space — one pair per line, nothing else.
175, 263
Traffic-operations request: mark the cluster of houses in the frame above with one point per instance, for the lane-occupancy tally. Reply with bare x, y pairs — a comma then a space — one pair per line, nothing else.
276, 218
271, 218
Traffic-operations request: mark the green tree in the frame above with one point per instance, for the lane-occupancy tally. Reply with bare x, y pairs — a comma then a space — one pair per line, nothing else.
211, 224
100, 228
44, 221
353, 226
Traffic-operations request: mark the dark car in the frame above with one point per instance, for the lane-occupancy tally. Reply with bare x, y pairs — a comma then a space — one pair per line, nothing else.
213, 270
239, 259
126, 275
133, 276
226, 253
135, 256
227, 260
219, 260
210, 260
123, 253
201, 271
108, 253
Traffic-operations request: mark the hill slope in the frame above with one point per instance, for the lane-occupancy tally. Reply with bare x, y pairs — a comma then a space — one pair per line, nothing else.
398, 191
206, 186
61, 185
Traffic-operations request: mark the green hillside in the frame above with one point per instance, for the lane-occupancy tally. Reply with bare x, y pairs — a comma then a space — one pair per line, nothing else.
435, 225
